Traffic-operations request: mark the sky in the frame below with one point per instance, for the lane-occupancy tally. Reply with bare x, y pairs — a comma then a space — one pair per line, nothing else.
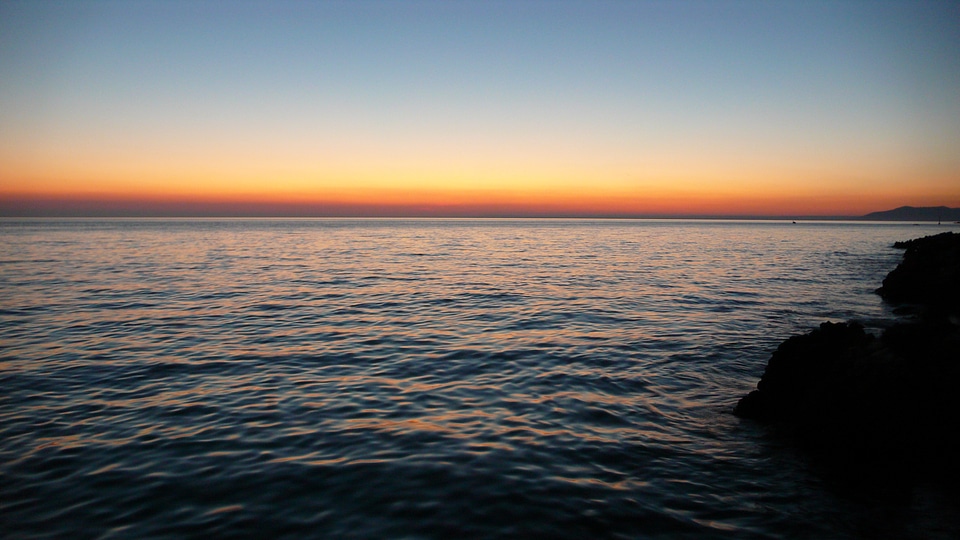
369, 108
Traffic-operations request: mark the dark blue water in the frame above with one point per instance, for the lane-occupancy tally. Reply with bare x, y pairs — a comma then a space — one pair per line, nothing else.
426, 379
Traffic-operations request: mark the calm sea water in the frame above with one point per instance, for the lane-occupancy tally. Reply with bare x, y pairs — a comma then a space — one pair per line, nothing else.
425, 379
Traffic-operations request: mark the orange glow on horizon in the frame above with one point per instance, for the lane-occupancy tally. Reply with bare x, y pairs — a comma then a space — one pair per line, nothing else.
470, 186
435, 180
384, 199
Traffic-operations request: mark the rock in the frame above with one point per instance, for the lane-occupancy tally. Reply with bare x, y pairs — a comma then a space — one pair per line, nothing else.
929, 274
847, 394
801, 372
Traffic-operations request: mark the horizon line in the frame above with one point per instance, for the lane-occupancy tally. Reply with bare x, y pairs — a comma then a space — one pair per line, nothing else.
638, 217
20, 206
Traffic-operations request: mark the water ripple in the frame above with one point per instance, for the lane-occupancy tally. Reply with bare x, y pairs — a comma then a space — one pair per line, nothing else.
428, 379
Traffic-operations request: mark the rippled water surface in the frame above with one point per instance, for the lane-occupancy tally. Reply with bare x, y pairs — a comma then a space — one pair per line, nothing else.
424, 379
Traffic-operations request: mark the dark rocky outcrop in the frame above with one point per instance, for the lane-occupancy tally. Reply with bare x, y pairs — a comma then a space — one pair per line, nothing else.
844, 392
929, 274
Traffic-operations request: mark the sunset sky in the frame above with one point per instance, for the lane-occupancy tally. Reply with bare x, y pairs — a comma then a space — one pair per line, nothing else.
478, 108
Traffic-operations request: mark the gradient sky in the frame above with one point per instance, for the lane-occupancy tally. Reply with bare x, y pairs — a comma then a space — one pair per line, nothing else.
491, 108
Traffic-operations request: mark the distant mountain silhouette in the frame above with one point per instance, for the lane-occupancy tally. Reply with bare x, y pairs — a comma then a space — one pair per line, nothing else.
914, 213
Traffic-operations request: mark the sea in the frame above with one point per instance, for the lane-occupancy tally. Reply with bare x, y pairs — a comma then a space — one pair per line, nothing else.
428, 379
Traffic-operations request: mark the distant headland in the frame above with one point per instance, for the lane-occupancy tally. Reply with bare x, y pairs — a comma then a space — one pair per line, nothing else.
915, 213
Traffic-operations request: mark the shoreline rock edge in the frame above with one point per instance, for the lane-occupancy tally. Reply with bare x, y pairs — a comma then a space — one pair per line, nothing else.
845, 393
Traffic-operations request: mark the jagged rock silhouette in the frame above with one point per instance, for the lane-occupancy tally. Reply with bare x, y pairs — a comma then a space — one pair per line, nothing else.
848, 394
